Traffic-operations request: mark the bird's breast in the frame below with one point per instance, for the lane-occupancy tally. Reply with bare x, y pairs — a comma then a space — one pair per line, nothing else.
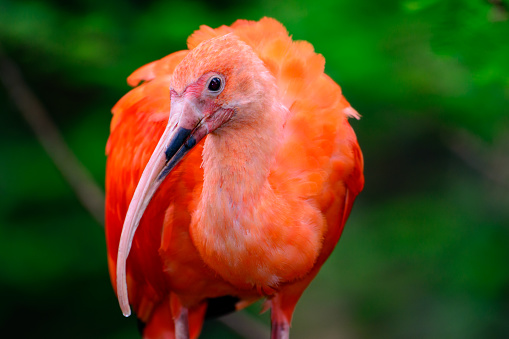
257, 241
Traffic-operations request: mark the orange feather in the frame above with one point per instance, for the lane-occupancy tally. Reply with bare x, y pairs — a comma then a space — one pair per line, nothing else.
257, 206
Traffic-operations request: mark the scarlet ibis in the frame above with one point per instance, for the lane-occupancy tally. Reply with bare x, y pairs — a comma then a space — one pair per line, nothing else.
231, 172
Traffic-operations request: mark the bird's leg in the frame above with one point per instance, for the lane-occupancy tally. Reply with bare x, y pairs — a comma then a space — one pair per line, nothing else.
282, 305
182, 324
280, 320
280, 330
180, 317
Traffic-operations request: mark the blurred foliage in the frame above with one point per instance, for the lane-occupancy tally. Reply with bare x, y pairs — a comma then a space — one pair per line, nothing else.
425, 252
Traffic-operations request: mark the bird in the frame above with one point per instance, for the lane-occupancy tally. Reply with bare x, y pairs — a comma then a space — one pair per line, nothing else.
231, 171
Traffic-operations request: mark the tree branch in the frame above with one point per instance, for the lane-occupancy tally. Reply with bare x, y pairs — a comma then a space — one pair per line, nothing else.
88, 192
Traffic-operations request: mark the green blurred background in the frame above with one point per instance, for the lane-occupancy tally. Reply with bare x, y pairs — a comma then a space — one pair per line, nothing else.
425, 253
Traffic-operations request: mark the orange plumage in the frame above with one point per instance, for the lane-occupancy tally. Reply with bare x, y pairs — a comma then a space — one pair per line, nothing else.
237, 169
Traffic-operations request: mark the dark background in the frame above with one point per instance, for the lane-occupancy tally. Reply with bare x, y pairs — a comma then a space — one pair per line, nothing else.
425, 252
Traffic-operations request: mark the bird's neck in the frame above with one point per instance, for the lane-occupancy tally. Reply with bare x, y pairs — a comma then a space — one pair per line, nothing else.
237, 159
243, 228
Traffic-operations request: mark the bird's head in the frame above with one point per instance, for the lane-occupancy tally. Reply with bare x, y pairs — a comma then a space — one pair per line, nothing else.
218, 79
220, 83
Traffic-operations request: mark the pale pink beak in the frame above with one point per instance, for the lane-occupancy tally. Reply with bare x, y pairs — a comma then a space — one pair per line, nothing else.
176, 141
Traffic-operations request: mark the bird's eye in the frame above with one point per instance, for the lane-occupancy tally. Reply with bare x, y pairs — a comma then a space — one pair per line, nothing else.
215, 84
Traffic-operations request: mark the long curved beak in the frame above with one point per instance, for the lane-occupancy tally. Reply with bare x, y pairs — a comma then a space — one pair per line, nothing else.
176, 141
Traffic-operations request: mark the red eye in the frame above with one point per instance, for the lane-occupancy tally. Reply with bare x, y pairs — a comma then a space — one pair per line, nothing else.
215, 84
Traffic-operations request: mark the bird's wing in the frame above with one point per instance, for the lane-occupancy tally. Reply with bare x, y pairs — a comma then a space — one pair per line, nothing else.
319, 160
